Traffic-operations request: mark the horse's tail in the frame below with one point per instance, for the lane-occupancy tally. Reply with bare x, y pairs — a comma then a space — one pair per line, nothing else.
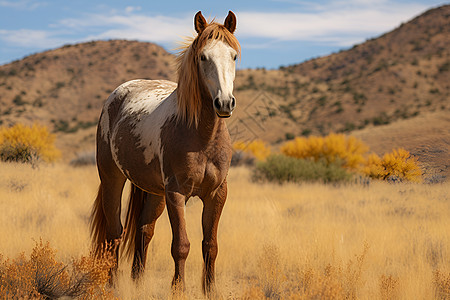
98, 223
135, 205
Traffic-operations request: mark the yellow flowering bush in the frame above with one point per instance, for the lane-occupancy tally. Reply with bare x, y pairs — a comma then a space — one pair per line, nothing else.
398, 163
23, 143
373, 167
257, 148
333, 148
352, 154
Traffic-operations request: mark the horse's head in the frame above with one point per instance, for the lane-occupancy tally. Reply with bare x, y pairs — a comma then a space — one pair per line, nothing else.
216, 61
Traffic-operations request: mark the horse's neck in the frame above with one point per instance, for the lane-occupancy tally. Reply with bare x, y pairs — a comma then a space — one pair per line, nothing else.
209, 123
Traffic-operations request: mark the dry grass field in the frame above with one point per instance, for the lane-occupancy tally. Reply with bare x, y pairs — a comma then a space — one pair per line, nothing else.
310, 241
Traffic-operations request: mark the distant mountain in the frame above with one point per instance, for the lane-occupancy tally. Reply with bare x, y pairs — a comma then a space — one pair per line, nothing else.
396, 76
65, 88
68, 85
400, 75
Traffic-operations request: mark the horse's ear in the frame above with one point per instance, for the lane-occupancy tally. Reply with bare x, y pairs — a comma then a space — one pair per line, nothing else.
199, 22
230, 22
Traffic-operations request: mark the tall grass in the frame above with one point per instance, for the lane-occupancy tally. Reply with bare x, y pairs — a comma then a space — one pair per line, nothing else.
289, 241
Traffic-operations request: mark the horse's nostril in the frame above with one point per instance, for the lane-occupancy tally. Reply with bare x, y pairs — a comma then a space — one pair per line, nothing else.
233, 103
217, 103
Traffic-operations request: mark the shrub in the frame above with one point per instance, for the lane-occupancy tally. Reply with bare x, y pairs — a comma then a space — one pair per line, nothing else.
289, 136
350, 153
22, 143
43, 277
18, 100
442, 284
322, 101
445, 67
395, 165
84, 159
256, 148
382, 119
305, 132
359, 98
62, 125
59, 85
281, 168
240, 158
332, 148
389, 287
434, 91
271, 274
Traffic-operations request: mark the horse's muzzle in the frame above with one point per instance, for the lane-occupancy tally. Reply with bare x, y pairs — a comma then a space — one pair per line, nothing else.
224, 108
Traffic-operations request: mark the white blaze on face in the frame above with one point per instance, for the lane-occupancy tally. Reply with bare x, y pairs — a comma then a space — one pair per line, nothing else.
218, 67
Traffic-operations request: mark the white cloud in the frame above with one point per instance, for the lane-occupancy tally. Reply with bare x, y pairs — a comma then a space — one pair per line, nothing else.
340, 23
112, 25
130, 9
22, 4
30, 38
335, 25
160, 29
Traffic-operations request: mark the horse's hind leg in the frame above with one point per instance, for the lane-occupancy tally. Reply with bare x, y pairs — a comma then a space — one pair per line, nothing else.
112, 183
112, 195
153, 207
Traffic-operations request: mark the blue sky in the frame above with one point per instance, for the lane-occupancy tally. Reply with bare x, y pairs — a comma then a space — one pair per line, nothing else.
272, 33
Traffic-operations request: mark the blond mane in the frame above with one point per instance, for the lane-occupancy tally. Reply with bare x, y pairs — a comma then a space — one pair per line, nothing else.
188, 91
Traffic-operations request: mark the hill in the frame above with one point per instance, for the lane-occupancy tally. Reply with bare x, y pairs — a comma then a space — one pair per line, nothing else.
401, 75
65, 88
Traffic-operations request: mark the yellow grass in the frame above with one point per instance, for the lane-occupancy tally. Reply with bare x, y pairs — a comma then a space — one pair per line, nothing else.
305, 241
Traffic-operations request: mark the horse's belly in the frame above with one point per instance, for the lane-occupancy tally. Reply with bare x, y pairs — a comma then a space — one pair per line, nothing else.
148, 177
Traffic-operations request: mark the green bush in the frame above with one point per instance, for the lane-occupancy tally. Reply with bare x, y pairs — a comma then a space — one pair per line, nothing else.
289, 136
281, 168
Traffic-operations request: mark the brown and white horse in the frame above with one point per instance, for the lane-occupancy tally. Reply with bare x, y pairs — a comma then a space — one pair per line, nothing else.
171, 142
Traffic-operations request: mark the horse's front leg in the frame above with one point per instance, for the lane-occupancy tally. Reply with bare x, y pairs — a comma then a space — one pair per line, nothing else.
212, 209
175, 202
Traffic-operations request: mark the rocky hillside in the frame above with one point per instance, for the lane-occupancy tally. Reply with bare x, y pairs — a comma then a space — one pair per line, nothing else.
65, 88
400, 75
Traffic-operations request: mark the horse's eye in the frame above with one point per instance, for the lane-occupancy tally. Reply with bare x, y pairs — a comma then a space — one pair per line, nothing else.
235, 57
203, 57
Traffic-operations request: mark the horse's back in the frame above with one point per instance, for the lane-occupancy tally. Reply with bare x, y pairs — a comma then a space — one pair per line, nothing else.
134, 97
130, 127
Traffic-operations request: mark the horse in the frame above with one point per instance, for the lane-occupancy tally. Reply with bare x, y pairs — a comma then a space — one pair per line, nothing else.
171, 142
